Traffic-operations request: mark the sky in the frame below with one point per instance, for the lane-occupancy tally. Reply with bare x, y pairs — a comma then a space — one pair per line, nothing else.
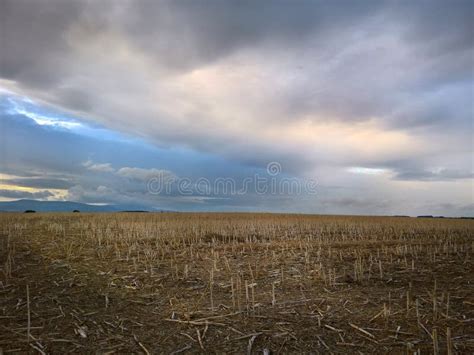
331, 107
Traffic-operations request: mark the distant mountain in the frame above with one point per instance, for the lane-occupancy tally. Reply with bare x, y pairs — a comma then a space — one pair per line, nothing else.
54, 206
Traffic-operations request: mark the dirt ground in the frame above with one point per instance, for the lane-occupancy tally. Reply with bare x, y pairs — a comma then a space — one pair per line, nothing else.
235, 283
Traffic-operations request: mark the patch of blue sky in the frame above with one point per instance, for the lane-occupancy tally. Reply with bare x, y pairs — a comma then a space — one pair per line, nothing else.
103, 145
45, 116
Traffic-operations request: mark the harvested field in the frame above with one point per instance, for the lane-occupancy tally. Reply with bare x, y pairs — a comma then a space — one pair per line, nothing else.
235, 283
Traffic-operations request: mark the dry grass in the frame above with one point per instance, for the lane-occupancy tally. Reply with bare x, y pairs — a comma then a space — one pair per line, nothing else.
213, 283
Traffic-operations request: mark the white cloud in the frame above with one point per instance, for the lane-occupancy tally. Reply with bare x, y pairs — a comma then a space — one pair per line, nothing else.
99, 167
367, 171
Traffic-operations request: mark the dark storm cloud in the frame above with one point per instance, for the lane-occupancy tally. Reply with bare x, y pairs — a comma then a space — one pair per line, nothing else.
185, 34
35, 38
201, 31
35, 34
340, 39
32, 39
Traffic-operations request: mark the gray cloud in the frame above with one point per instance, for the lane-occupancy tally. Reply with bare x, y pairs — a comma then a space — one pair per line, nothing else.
440, 175
178, 34
202, 31
140, 174
40, 183
347, 205
25, 194
450, 209
326, 60
32, 37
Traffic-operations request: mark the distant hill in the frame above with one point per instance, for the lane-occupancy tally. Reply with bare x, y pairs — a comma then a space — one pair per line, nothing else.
54, 206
